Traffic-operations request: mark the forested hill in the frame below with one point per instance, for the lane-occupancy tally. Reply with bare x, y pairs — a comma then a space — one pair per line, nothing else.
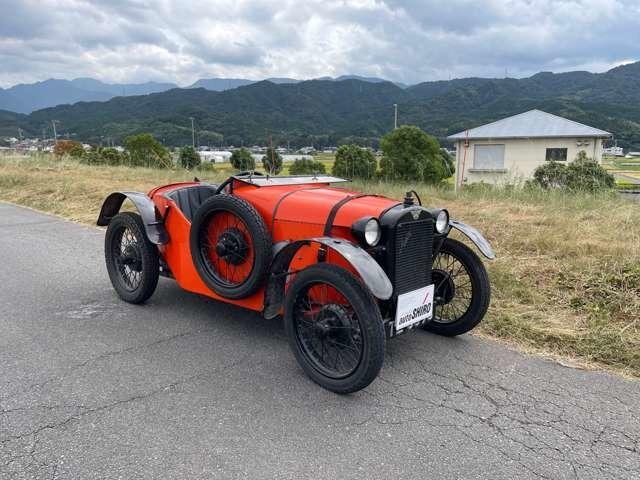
324, 112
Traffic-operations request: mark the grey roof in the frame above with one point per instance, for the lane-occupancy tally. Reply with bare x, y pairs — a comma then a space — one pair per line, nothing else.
531, 124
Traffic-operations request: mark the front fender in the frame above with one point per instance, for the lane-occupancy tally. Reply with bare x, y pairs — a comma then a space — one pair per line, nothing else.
476, 237
372, 274
146, 208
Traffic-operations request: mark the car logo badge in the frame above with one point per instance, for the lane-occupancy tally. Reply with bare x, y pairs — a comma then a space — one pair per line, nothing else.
415, 213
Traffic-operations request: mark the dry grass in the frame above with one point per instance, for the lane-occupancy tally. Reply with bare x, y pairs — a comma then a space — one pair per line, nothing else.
566, 280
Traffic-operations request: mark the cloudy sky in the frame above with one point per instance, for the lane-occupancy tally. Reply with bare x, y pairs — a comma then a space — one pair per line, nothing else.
402, 40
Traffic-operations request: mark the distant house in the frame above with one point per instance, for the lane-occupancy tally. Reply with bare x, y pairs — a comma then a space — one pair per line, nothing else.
510, 149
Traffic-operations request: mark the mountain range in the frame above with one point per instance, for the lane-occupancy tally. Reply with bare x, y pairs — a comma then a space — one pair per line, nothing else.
326, 112
25, 98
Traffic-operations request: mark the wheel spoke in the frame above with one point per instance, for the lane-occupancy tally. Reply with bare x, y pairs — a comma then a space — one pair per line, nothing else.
328, 329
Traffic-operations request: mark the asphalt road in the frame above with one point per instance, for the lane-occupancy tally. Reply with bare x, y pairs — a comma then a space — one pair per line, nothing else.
185, 387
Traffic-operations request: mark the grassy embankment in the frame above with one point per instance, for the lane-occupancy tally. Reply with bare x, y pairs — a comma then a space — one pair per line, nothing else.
567, 277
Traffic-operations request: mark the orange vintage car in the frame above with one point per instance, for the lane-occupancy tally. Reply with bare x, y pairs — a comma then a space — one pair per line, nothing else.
346, 270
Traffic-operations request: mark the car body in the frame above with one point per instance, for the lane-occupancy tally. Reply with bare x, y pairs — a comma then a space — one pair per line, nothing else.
246, 241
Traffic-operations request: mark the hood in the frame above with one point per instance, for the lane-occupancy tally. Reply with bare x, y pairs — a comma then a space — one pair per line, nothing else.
303, 212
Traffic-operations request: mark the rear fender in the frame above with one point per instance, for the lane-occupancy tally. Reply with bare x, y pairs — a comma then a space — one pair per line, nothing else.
476, 237
373, 276
156, 233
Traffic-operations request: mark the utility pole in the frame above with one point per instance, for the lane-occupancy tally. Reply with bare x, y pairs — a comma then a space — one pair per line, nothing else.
395, 119
55, 133
193, 133
273, 155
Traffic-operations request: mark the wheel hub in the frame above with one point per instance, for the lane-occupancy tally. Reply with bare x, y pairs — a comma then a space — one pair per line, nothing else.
330, 317
445, 286
232, 246
131, 257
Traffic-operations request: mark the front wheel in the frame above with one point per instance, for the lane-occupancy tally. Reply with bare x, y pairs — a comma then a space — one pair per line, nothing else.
335, 328
462, 290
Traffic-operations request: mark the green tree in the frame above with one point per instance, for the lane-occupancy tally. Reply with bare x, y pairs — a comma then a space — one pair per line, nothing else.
272, 161
145, 151
354, 162
189, 158
306, 166
242, 160
411, 154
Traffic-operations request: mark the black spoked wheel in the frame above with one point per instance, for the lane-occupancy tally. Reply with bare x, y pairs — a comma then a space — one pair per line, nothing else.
328, 330
334, 328
132, 260
462, 290
230, 246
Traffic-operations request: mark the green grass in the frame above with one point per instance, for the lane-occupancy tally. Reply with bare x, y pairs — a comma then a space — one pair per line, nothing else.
566, 280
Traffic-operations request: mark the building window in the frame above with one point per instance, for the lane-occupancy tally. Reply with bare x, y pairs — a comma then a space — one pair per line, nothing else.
556, 155
488, 157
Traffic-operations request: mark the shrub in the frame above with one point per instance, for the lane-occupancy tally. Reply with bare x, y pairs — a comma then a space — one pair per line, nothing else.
551, 175
68, 147
583, 174
272, 161
77, 150
587, 175
207, 167
104, 156
306, 166
354, 162
145, 151
111, 156
189, 158
410, 154
242, 160
92, 157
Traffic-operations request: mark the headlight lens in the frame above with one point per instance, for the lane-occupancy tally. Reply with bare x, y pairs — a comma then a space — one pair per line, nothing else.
442, 221
372, 232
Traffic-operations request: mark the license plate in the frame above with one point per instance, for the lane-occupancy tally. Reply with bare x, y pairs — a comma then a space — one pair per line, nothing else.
414, 307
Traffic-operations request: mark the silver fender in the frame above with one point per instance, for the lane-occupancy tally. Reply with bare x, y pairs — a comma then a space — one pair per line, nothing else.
153, 225
372, 274
476, 237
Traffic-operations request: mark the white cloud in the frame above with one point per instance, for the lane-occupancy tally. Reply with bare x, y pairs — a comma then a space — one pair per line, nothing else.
409, 41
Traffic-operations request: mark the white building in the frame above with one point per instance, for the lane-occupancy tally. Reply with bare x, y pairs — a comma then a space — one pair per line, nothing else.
215, 156
509, 150
613, 151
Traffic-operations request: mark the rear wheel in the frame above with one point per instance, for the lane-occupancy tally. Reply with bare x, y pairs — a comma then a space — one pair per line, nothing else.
462, 290
334, 327
132, 260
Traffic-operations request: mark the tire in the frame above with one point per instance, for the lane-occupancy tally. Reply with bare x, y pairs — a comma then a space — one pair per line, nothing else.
249, 230
467, 319
365, 325
132, 260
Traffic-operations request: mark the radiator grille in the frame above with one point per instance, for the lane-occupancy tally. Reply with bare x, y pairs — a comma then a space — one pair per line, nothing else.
413, 255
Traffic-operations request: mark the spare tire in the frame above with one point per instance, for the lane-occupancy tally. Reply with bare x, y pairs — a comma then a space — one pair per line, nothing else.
230, 246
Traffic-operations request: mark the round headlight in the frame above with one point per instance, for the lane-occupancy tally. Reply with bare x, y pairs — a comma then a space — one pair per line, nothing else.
372, 232
442, 221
